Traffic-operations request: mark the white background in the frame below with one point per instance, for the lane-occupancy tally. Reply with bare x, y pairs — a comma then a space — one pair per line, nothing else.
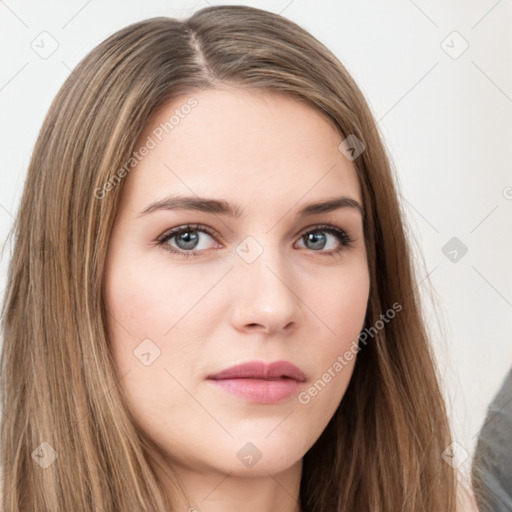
447, 123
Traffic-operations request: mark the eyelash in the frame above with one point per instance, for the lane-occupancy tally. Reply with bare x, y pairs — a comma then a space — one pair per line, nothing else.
345, 240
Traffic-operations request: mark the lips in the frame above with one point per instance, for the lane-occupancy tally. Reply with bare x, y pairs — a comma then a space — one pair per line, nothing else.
261, 370
260, 382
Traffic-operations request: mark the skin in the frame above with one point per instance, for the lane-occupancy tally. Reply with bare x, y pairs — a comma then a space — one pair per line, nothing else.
270, 155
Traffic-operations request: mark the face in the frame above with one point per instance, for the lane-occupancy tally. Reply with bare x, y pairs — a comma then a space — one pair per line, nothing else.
230, 312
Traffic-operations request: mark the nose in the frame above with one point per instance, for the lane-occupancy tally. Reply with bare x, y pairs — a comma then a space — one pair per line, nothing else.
263, 299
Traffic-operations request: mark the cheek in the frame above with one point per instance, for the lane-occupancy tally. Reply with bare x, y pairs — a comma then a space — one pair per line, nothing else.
153, 328
340, 304
151, 299
150, 338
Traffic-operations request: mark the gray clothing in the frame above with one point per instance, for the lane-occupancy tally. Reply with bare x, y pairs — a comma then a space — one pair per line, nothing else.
492, 463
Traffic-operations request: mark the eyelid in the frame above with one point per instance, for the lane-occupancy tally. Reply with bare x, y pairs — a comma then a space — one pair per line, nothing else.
343, 236
345, 240
166, 235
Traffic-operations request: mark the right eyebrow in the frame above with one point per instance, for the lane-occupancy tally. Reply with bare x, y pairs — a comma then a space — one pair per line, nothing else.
216, 206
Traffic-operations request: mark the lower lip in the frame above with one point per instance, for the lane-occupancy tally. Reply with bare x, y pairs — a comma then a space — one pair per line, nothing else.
260, 390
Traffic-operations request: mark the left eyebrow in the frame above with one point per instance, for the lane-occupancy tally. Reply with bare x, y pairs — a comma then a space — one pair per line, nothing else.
331, 205
221, 207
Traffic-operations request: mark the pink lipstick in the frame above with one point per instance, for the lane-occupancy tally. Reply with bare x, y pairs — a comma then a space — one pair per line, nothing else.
260, 382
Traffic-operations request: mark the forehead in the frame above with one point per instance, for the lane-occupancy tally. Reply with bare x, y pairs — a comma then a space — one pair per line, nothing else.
253, 145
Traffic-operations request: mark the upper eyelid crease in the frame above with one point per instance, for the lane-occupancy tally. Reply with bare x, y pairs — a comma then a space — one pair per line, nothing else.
340, 233
211, 232
221, 207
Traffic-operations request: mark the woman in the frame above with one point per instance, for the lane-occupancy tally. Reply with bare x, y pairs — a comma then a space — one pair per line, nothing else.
211, 302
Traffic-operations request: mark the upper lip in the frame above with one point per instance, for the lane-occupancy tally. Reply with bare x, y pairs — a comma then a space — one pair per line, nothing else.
261, 370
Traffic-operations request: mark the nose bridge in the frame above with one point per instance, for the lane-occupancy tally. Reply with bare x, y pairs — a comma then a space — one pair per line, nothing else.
265, 294
262, 262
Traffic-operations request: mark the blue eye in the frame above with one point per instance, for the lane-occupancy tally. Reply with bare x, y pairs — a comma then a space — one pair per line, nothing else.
319, 240
187, 240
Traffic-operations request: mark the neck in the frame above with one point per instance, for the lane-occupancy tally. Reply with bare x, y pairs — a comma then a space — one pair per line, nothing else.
209, 490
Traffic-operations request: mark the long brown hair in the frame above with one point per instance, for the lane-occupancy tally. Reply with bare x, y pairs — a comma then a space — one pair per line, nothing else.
382, 449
